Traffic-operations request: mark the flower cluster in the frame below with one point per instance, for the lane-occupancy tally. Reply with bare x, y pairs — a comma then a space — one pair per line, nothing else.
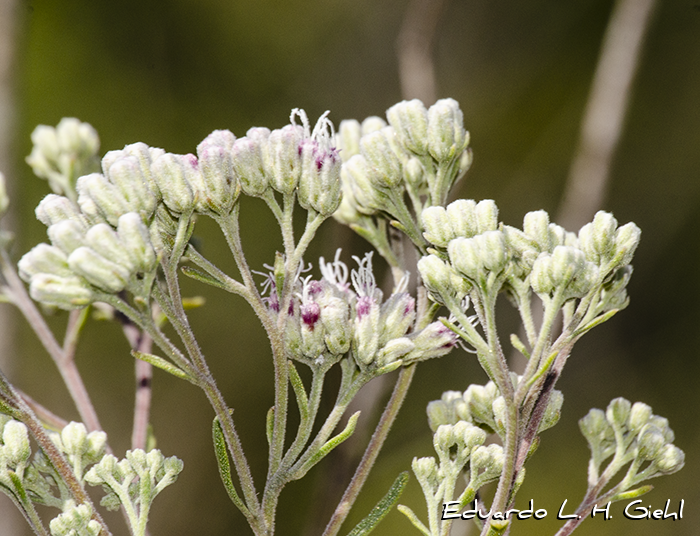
421, 152
629, 433
329, 317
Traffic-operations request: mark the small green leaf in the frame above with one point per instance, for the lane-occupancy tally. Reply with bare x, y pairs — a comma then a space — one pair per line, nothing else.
162, 364
632, 494
518, 345
203, 277
413, 518
270, 424
596, 322
330, 445
225, 466
382, 508
299, 391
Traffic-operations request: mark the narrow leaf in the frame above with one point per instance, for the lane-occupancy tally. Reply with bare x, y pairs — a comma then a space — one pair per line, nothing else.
270, 424
518, 345
382, 508
225, 466
596, 322
632, 494
203, 277
299, 392
413, 518
162, 364
331, 444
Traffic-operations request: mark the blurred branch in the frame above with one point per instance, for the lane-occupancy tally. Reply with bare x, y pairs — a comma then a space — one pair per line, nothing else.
415, 50
585, 190
11, 519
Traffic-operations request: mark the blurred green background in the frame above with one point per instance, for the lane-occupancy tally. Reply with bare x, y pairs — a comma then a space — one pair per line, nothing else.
168, 72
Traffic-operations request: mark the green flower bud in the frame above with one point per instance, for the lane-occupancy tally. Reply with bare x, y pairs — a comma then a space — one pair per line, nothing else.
369, 198
372, 124
618, 412
4, 200
568, 264
174, 174
594, 427
462, 217
499, 415
444, 438
15, 449
103, 240
650, 442
443, 411
486, 213
493, 250
414, 173
285, 161
465, 256
138, 461
553, 412
173, 465
394, 349
96, 443
426, 471
106, 468
43, 259
446, 135
75, 521
626, 241
319, 185
662, 424
603, 233
67, 235
74, 439
154, 462
384, 166
348, 139
485, 464
540, 279
56, 208
218, 178
135, 237
63, 292
248, 161
410, 121
100, 200
145, 156
128, 175
536, 227
434, 340
441, 280
397, 316
436, 225
468, 435
98, 271
479, 399
639, 416
366, 333
670, 459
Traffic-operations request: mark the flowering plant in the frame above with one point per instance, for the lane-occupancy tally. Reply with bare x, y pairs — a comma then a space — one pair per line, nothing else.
120, 240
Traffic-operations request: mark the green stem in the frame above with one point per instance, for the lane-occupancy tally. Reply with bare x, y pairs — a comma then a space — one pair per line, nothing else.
387, 419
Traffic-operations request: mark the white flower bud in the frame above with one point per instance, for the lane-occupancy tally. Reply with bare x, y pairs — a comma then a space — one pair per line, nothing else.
446, 135
74, 439
594, 426
410, 121
99, 199
492, 246
397, 315
443, 411
76, 138
103, 240
43, 259
285, 159
394, 349
96, 442
248, 162
462, 217
443, 438
64, 292
384, 166
626, 241
365, 343
67, 235
128, 176
485, 464
426, 470
98, 271
414, 173
479, 399
650, 442
434, 340
566, 264
486, 213
536, 227
437, 227
603, 233
335, 319
138, 461
319, 185
75, 521
662, 424
173, 465
468, 435
369, 198
137, 243
145, 156
465, 256
669, 459
15, 449
348, 139
218, 178
639, 416
540, 278
372, 124
499, 414
56, 208
618, 412
173, 173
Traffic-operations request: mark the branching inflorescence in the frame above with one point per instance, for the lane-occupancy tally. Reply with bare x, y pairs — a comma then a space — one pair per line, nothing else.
121, 238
